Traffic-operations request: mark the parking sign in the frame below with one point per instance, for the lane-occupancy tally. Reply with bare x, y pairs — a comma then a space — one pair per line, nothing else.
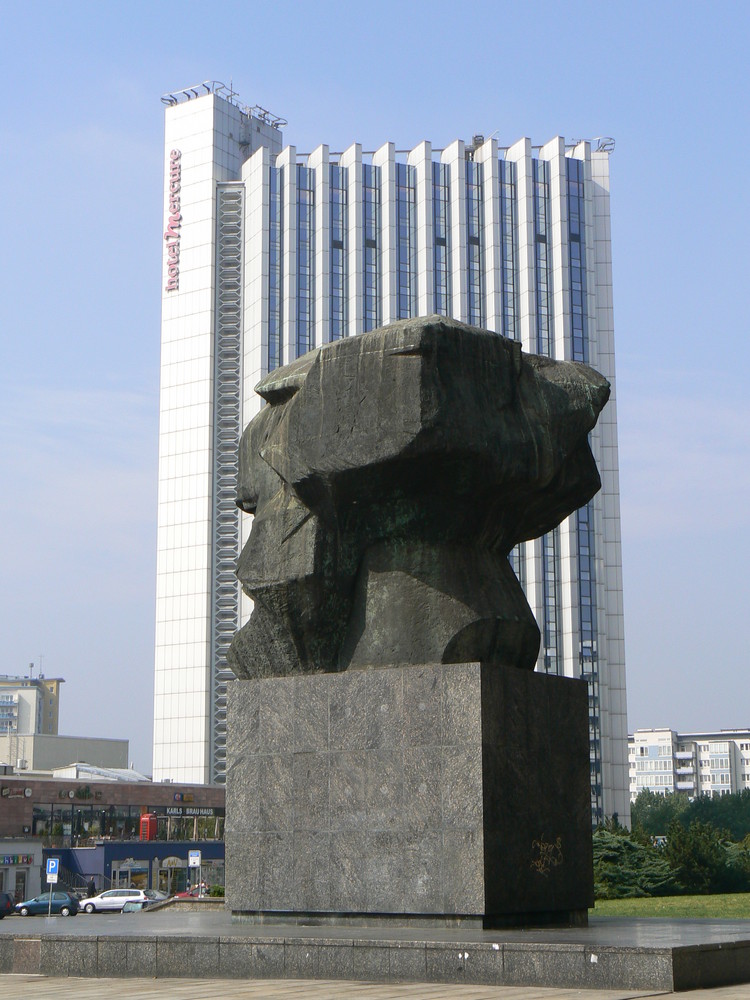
53, 870
194, 859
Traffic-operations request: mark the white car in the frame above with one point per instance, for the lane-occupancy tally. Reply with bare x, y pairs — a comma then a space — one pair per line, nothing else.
115, 899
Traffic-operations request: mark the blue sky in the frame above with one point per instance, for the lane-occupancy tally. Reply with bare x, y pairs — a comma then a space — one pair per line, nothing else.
81, 129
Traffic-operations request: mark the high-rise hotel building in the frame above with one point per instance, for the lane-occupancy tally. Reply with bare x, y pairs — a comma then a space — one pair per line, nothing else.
268, 253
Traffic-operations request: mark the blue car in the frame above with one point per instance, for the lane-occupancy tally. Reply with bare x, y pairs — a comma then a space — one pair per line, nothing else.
62, 902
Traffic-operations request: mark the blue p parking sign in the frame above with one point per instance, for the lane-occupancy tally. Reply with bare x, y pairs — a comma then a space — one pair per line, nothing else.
53, 870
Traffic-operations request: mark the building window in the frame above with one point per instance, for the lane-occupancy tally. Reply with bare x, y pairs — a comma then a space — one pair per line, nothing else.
275, 270
371, 210
544, 345
441, 229
474, 269
339, 222
576, 249
552, 650
305, 259
542, 259
406, 210
509, 244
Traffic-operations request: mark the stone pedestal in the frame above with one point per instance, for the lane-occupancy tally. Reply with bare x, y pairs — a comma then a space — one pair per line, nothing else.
437, 793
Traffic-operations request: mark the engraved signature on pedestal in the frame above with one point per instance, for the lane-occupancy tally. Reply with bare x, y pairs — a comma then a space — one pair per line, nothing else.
547, 855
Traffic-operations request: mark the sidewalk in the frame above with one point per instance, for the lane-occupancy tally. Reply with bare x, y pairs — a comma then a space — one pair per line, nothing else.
43, 988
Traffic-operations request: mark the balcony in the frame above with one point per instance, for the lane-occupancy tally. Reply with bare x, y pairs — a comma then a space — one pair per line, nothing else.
685, 770
684, 754
684, 786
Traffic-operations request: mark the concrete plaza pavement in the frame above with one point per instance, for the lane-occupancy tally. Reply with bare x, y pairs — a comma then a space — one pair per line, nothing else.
20, 987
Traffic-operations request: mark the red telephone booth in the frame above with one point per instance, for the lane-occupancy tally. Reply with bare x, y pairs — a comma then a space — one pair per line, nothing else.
148, 826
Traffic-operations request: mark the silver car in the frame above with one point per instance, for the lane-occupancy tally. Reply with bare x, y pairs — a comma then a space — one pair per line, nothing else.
115, 899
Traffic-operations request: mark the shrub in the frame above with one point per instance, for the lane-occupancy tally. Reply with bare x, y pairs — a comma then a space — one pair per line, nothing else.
624, 868
704, 859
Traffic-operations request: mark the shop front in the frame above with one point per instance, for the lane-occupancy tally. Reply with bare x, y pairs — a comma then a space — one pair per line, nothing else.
64, 813
154, 864
20, 868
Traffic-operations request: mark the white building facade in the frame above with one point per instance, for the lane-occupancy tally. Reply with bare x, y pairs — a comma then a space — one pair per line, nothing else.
664, 761
270, 253
29, 705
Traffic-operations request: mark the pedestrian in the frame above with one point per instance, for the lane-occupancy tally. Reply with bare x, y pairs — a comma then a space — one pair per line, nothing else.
91, 887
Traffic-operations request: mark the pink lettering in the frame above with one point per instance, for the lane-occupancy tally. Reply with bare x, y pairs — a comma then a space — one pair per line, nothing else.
172, 232
172, 226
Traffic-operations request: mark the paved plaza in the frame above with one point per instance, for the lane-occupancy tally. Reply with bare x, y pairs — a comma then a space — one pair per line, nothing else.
44, 988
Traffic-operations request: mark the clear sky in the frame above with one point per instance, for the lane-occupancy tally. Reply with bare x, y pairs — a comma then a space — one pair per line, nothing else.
81, 134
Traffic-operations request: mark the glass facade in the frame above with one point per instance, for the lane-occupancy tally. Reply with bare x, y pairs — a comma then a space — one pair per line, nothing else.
551, 637
339, 222
518, 563
551, 652
275, 270
549, 614
371, 220
509, 245
441, 235
474, 268
81, 820
542, 259
305, 259
585, 531
576, 251
406, 210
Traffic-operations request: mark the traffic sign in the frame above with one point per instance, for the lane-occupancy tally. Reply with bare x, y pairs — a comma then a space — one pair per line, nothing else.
194, 859
53, 870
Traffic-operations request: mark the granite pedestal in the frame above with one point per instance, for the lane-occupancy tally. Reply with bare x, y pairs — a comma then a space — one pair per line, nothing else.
609, 954
447, 793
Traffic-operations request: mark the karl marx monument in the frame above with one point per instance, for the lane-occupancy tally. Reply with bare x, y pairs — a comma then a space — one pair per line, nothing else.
391, 753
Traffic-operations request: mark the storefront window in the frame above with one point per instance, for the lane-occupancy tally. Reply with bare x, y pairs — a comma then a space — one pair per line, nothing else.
173, 875
42, 820
174, 825
130, 873
124, 825
62, 821
83, 819
22, 875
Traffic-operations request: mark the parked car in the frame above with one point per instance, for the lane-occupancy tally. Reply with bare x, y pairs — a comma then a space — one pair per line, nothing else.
113, 900
64, 903
155, 895
134, 905
189, 893
197, 890
6, 904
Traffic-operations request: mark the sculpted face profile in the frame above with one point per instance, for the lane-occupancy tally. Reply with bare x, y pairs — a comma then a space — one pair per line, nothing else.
390, 475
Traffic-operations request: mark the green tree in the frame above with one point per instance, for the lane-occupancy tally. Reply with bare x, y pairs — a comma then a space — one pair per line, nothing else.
699, 856
652, 812
725, 812
738, 859
623, 867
